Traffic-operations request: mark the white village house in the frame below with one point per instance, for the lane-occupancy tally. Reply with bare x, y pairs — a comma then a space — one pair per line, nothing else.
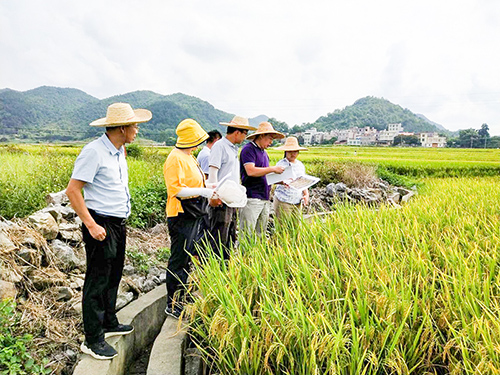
432, 140
368, 136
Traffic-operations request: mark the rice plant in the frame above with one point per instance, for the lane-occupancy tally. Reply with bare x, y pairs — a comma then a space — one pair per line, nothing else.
408, 291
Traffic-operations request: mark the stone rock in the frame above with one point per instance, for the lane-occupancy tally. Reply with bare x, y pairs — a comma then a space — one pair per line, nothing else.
61, 212
130, 284
382, 185
11, 275
77, 282
54, 212
76, 305
7, 224
128, 270
162, 277
64, 294
57, 198
30, 240
159, 229
70, 232
406, 197
30, 256
6, 245
45, 224
71, 355
394, 197
124, 299
154, 272
7, 290
47, 278
66, 258
148, 286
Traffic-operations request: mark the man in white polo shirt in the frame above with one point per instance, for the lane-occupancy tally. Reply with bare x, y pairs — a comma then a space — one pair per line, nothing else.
101, 171
223, 163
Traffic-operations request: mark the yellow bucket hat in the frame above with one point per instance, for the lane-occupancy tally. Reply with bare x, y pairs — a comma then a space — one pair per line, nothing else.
189, 134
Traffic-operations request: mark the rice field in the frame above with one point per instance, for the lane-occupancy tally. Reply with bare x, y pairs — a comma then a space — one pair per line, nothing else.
28, 173
414, 290
408, 291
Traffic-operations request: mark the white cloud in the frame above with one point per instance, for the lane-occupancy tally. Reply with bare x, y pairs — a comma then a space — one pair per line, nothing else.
293, 60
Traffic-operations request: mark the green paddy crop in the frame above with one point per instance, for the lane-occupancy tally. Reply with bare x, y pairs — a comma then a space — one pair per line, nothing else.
414, 290
416, 162
29, 173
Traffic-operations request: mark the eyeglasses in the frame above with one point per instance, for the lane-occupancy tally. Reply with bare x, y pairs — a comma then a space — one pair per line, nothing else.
244, 132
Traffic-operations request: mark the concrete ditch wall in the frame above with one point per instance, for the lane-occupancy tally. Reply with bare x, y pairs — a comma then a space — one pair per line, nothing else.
147, 315
168, 349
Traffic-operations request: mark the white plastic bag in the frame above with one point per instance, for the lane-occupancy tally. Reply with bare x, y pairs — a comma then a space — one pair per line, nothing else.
232, 193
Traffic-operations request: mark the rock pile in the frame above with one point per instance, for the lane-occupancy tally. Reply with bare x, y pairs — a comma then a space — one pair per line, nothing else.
324, 199
42, 267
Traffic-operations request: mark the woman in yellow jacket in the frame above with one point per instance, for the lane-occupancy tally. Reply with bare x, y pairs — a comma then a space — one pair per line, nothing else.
187, 209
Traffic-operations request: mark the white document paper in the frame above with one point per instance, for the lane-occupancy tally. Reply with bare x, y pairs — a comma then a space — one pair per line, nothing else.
303, 182
274, 178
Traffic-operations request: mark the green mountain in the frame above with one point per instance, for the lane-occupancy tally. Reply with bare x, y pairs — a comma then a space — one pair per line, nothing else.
43, 107
63, 114
59, 114
376, 113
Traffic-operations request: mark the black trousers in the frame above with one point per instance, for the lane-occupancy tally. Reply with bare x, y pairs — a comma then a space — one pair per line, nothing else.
185, 232
105, 261
223, 230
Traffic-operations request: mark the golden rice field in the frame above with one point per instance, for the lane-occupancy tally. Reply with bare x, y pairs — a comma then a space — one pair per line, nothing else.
414, 290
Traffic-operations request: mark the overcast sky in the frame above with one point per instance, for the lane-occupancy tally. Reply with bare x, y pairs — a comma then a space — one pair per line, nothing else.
292, 60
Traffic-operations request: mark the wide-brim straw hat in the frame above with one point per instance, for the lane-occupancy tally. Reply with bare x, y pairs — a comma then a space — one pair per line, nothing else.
119, 114
291, 144
266, 128
239, 122
189, 134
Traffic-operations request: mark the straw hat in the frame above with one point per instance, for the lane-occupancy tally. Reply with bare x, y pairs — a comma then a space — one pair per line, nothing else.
119, 114
291, 144
189, 134
239, 122
266, 128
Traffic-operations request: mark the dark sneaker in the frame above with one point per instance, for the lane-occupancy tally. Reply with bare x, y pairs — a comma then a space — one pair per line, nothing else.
173, 312
119, 330
99, 350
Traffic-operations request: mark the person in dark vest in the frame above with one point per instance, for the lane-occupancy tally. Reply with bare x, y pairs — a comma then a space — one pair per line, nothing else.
101, 171
254, 166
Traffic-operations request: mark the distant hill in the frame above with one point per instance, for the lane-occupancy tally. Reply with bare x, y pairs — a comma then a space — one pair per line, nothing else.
51, 113
257, 120
377, 113
63, 114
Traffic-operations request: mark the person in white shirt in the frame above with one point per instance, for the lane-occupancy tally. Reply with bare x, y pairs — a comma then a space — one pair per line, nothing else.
224, 164
101, 172
204, 155
287, 200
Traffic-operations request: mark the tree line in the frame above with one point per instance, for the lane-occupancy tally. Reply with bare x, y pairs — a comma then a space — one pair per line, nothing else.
475, 138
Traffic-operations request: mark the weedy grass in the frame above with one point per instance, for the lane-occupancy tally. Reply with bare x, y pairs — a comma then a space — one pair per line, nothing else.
414, 290
29, 173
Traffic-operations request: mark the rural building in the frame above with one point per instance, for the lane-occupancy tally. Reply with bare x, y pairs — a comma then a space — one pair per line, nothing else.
432, 140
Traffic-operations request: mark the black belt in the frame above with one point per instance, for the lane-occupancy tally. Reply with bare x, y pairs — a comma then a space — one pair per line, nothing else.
111, 219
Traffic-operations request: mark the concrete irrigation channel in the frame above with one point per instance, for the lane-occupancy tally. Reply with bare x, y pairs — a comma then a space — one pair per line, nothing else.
148, 317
